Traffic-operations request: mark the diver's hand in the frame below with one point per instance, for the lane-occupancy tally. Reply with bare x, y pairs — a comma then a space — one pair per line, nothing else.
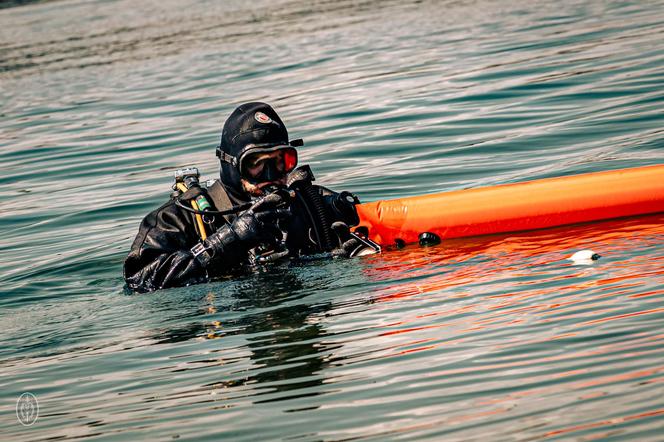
255, 226
259, 224
350, 245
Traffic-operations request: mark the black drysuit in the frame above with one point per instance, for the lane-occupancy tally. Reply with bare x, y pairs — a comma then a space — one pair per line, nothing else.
161, 255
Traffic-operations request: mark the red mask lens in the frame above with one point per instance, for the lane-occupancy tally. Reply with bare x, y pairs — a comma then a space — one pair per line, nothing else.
290, 160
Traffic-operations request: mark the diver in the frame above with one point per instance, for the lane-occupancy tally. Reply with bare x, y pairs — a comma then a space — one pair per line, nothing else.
263, 209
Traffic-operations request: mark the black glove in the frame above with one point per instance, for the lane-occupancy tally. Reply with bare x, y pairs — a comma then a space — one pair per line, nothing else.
255, 226
350, 245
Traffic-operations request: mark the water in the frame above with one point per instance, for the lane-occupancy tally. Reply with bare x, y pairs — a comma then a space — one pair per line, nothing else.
495, 338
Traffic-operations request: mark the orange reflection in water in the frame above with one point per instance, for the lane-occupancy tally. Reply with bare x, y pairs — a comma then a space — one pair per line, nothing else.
509, 252
461, 262
513, 279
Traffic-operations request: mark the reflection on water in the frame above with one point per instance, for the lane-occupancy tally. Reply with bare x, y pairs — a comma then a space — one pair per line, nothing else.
493, 338
278, 336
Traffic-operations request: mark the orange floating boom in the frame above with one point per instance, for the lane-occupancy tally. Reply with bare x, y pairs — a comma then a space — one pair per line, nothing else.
514, 207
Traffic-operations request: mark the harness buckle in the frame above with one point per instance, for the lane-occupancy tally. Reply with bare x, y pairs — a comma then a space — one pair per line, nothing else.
201, 253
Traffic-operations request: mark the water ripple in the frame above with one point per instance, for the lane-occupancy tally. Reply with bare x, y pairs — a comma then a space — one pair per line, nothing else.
494, 338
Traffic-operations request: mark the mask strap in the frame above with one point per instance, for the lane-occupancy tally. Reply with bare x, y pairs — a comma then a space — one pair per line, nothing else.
223, 156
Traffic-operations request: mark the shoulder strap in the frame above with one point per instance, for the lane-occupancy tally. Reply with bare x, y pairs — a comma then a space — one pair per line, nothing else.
220, 199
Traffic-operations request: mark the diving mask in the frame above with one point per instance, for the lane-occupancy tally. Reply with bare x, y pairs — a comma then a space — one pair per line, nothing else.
262, 164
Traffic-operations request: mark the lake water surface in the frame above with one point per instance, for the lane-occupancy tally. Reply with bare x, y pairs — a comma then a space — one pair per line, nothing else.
497, 338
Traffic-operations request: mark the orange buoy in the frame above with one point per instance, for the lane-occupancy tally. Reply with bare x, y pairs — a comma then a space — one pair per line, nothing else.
515, 207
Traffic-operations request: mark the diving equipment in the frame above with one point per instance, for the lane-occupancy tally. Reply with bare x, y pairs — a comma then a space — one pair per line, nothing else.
528, 205
319, 219
252, 127
185, 179
255, 227
324, 215
259, 165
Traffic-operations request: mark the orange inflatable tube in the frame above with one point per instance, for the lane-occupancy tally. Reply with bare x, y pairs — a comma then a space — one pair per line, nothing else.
514, 207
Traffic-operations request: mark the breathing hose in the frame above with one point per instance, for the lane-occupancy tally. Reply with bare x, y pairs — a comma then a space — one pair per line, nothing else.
323, 219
